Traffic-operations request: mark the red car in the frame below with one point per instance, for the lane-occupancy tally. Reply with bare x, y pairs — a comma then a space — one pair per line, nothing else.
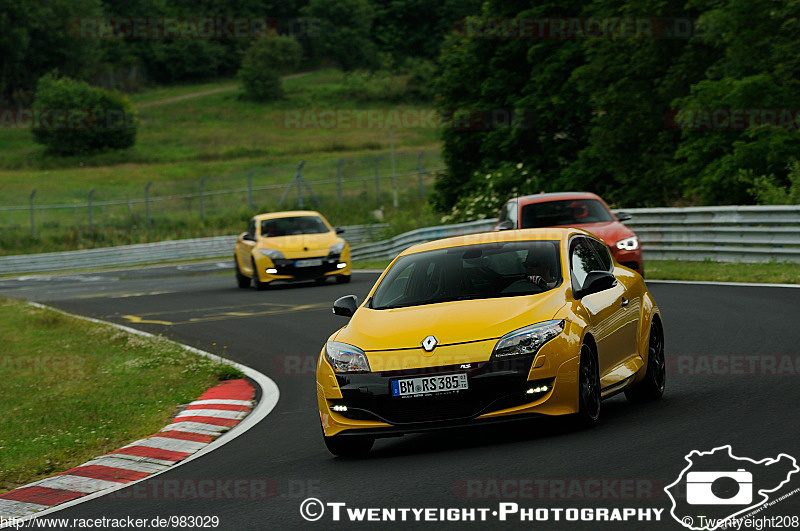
583, 210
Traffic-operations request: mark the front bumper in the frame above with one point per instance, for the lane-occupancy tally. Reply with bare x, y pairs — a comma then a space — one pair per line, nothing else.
286, 268
498, 391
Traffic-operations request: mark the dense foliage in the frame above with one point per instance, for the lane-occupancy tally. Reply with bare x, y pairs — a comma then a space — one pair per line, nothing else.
72, 118
626, 116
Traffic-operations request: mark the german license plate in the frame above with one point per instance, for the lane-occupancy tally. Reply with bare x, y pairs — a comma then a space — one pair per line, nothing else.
429, 384
308, 263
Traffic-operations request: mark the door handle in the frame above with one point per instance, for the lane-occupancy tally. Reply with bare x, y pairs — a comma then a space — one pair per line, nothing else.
625, 303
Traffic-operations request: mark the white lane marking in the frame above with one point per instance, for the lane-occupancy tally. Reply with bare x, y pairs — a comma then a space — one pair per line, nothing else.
173, 445
16, 509
270, 394
735, 284
197, 427
126, 464
222, 402
75, 483
218, 413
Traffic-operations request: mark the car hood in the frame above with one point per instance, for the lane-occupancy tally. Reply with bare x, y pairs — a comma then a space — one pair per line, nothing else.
450, 322
609, 231
300, 243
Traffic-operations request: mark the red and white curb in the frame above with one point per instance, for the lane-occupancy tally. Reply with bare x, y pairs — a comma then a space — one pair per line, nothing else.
192, 433
218, 410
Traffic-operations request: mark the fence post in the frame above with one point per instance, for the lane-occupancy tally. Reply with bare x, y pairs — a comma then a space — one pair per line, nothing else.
33, 225
419, 171
91, 220
378, 179
202, 206
250, 190
147, 203
394, 177
339, 178
298, 178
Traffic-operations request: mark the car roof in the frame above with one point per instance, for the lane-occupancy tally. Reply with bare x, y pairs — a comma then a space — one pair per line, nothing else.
544, 234
554, 196
286, 214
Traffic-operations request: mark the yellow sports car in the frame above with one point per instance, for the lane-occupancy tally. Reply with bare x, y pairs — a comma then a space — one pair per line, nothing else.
488, 328
297, 245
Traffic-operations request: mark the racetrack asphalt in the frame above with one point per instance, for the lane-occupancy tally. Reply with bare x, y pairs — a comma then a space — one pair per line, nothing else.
733, 379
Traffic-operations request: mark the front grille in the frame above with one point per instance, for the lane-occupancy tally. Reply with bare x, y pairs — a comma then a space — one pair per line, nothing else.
491, 387
286, 267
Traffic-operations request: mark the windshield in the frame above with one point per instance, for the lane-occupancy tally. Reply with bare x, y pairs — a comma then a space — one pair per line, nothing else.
294, 225
485, 271
568, 212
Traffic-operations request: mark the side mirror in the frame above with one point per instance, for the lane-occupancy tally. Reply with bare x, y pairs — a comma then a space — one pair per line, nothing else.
346, 306
339, 230
595, 282
248, 237
505, 225
623, 216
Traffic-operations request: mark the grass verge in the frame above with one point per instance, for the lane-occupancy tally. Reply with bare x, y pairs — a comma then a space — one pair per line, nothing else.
770, 272
73, 390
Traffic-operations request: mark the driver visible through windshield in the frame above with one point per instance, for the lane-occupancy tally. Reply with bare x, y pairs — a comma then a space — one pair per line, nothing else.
294, 225
484, 271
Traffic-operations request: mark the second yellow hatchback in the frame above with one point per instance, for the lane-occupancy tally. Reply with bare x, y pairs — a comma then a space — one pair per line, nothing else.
294, 245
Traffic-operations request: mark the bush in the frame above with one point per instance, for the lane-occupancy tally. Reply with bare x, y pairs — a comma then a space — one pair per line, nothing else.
73, 118
264, 62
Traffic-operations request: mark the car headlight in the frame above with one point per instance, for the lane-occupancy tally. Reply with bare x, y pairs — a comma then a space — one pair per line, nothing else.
346, 358
336, 248
628, 244
527, 340
271, 253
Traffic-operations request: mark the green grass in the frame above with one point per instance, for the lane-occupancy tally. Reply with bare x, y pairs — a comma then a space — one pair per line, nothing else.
73, 390
221, 137
771, 272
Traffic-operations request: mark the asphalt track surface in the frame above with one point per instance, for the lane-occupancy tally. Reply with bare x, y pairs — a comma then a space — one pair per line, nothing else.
279, 332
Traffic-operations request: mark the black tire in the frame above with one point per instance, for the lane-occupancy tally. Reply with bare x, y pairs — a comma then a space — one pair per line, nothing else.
260, 286
652, 386
342, 279
588, 389
241, 280
320, 281
349, 446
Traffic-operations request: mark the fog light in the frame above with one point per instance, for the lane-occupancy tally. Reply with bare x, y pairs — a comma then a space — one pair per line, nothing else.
339, 408
272, 271
341, 265
539, 389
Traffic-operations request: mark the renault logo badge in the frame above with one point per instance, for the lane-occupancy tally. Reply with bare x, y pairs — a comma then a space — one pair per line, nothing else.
429, 343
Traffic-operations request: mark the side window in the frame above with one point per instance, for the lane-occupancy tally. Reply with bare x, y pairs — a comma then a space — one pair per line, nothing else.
512, 213
582, 260
251, 228
509, 213
603, 253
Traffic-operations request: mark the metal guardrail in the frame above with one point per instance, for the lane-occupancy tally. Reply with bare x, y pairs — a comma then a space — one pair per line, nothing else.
147, 253
719, 234
390, 248
724, 234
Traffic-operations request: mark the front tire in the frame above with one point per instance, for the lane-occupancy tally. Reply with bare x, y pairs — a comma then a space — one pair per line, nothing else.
349, 446
652, 386
342, 279
588, 389
260, 286
241, 280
